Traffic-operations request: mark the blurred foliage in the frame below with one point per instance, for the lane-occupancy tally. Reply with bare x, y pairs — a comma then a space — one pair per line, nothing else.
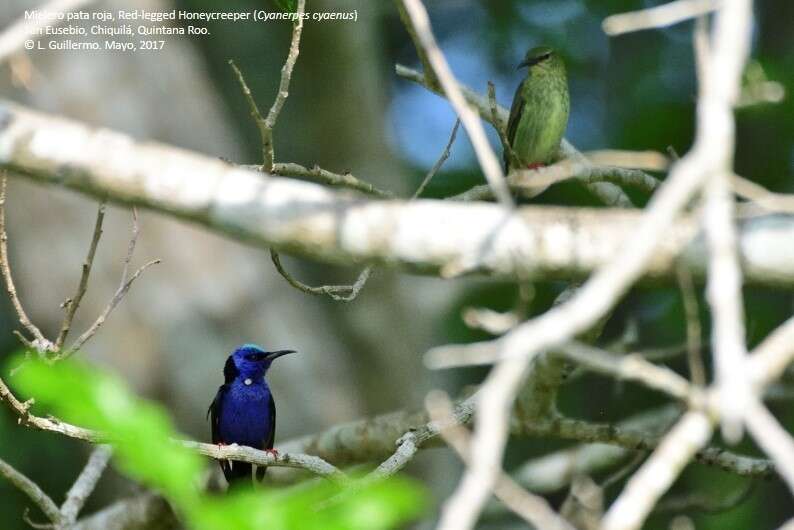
144, 444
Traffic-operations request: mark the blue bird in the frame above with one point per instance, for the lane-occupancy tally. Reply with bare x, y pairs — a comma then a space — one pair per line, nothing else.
243, 411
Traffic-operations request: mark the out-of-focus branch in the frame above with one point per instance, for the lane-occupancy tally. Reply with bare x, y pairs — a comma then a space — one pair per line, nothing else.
659, 16
530, 183
32, 490
310, 220
487, 158
532, 508
653, 479
85, 484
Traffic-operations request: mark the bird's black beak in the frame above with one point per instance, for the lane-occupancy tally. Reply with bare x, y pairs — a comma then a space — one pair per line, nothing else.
276, 354
524, 63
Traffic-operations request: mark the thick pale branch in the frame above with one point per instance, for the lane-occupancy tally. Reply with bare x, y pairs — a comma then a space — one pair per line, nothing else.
315, 222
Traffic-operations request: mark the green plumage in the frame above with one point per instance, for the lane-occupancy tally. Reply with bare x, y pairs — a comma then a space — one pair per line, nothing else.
539, 114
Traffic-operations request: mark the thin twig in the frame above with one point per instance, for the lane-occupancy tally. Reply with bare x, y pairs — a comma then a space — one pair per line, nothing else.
73, 303
440, 162
333, 291
323, 176
485, 155
694, 338
39, 342
510, 154
283, 89
32, 490
124, 287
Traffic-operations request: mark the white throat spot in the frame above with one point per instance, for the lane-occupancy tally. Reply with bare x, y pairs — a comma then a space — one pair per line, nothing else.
247, 381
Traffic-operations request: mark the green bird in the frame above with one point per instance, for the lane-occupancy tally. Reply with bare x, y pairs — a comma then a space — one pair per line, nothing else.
539, 114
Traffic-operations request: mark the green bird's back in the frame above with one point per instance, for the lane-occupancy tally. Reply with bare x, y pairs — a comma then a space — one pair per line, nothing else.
539, 114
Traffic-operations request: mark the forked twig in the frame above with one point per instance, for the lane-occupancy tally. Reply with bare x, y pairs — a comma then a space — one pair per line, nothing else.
124, 287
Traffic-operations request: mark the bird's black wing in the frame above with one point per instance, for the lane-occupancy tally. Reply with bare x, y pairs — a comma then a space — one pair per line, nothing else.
214, 413
516, 110
272, 429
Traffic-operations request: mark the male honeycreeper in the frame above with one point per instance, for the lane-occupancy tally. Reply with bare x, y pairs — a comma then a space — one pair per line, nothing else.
243, 411
539, 114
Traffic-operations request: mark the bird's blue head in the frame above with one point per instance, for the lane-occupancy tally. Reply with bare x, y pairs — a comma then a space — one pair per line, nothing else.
250, 361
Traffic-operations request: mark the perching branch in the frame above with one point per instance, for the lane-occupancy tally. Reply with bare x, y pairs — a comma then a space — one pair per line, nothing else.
435, 58
310, 463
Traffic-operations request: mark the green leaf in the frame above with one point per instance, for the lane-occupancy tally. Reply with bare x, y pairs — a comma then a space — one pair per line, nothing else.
140, 431
287, 6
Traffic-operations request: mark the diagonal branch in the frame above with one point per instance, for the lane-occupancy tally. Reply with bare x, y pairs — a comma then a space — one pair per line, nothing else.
73, 303
40, 343
124, 287
85, 484
32, 490
485, 154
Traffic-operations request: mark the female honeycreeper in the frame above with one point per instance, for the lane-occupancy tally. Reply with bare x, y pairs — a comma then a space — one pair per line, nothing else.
243, 411
539, 114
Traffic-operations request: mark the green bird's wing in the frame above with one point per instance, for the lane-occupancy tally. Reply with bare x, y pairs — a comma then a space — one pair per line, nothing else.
516, 110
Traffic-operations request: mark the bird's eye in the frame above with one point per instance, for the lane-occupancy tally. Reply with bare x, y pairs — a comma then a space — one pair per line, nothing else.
544, 56
249, 357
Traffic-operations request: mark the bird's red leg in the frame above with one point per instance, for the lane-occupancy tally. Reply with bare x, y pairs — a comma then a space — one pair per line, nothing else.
272, 451
536, 165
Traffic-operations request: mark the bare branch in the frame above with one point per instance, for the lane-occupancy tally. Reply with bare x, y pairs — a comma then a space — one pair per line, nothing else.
340, 293
765, 199
440, 162
85, 484
283, 88
659, 16
230, 452
697, 370
124, 287
40, 343
772, 438
485, 155
532, 508
323, 176
657, 474
248, 206
32, 490
533, 182
73, 303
